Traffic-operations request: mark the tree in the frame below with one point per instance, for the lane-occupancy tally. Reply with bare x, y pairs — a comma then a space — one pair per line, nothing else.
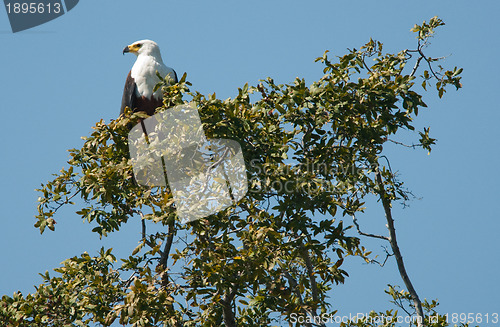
313, 156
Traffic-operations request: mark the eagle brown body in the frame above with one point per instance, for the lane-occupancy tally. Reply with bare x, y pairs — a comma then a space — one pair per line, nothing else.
132, 100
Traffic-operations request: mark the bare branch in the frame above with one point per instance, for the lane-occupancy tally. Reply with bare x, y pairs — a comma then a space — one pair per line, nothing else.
387, 255
427, 59
397, 253
66, 201
415, 68
413, 146
143, 232
355, 221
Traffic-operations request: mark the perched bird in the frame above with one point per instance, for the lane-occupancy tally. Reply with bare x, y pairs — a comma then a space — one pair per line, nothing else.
138, 92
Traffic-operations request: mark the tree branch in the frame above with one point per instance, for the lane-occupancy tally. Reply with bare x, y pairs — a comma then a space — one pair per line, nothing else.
355, 221
295, 289
419, 59
168, 243
387, 255
397, 253
312, 279
417, 64
412, 146
166, 251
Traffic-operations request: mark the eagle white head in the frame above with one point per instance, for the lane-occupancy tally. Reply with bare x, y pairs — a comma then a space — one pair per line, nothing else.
144, 48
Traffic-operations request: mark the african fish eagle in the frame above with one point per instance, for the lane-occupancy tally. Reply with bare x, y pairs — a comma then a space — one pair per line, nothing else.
138, 92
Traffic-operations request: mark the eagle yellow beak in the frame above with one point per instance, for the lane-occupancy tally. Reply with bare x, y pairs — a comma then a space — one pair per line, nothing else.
132, 48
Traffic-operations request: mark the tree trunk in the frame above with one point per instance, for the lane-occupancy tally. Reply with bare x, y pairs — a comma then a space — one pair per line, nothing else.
228, 313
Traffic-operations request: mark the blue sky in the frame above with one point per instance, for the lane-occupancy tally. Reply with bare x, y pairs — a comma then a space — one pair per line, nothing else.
58, 79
